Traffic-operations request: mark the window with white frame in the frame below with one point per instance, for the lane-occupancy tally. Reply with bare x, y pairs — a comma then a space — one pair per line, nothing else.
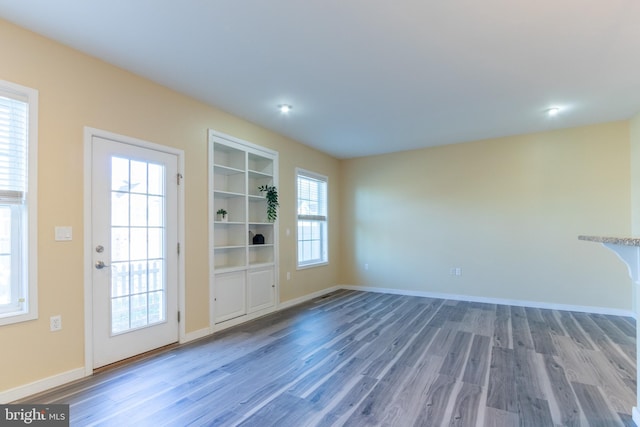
312, 218
18, 141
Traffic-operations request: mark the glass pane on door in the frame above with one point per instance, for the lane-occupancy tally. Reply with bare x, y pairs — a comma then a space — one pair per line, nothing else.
138, 292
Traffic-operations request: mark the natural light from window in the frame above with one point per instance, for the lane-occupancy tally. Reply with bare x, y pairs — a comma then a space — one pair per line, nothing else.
18, 114
312, 218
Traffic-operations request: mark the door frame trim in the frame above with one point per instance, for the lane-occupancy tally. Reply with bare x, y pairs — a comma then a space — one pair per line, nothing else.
89, 133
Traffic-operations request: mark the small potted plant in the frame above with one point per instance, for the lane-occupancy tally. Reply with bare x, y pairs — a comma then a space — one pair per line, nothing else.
271, 193
222, 215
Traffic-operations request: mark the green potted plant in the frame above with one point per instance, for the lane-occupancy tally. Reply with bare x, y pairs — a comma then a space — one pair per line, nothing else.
271, 194
222, 215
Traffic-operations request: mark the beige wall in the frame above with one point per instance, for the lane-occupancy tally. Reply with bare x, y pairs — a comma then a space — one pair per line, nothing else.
76, 90
507, 211
634, 136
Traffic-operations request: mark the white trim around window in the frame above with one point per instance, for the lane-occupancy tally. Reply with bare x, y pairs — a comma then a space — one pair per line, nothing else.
18, 203
312, 225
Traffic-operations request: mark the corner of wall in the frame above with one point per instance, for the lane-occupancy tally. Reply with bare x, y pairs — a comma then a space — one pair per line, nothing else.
634, 142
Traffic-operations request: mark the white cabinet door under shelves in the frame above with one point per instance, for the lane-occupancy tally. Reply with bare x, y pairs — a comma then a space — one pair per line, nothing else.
261, 289
229, 297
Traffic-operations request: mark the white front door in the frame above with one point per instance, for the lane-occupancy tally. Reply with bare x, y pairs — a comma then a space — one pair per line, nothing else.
134, 204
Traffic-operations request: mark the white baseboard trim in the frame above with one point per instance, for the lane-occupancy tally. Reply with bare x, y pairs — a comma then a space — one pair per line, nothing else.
20, 392
195, 335
309, 297
502, 301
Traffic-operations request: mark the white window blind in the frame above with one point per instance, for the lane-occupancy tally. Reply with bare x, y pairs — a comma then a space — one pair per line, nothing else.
13, 149
312, 218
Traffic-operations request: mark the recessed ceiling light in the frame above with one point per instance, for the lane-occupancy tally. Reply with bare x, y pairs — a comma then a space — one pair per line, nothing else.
284, 108
553, 111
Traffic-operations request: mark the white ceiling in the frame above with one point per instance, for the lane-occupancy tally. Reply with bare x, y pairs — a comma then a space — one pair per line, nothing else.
370, 76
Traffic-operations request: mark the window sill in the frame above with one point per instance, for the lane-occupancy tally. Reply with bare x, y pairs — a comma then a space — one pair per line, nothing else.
9, 318
306, 266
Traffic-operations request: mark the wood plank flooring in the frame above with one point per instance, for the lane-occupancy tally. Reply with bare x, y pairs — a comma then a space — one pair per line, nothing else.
370, 359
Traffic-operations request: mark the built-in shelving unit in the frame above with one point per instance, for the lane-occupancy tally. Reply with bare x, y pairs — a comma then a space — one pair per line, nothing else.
243, 279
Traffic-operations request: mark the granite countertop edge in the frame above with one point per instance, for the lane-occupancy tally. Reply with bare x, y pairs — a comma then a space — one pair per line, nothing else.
623, 241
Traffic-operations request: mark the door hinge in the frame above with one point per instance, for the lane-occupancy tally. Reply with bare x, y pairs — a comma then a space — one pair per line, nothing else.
178, 316
178, 248
179, 177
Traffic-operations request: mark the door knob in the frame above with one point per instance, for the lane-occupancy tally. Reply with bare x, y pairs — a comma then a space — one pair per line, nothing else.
100, 265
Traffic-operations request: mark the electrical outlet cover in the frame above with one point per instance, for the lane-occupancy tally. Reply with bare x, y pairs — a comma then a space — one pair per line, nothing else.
55, 323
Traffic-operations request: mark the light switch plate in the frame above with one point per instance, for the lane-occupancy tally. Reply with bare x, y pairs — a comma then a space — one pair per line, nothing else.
64, 234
